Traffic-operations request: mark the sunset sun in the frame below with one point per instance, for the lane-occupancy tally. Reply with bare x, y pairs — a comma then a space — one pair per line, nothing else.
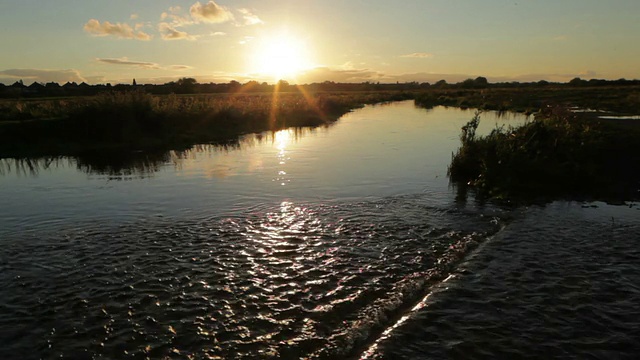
280, 57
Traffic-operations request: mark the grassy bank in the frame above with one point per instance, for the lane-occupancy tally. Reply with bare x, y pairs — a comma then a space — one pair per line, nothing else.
139, 121
559, 154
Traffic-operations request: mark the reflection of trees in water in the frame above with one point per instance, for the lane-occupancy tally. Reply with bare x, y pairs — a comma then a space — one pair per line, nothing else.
120, 165
123, 164
114, 164
32, 166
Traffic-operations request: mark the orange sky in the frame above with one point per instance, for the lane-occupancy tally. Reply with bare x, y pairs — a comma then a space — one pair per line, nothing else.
310, 41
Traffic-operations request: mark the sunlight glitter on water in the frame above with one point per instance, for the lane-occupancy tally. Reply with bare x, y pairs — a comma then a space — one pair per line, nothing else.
207, 255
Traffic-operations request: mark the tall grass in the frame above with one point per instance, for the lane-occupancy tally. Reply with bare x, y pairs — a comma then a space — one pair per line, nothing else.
557, 154
137, 120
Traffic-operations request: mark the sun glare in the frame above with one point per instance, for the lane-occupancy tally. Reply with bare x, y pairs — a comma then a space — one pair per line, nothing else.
281, 57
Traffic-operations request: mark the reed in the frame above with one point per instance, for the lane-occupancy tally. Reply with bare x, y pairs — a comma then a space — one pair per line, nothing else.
558, 154
136, 120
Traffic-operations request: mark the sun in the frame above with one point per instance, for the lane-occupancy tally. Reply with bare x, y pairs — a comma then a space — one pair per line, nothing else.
280, 57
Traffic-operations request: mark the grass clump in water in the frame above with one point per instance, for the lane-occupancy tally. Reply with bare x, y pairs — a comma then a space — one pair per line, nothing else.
556, 155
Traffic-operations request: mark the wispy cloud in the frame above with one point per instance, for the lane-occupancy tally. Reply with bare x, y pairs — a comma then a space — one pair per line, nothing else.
169, 32
320, 74
210, 13
141, 64
40, 75
127, 62
419, 55
119, 30
180, 67
133, 16
249, 18
218, 33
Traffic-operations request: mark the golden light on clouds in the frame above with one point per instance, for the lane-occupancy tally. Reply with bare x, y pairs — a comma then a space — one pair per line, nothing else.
210, 12
123, 31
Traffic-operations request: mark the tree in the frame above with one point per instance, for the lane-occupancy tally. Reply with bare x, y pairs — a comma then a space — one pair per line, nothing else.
441, 83
481, 82
186, 85
578, 82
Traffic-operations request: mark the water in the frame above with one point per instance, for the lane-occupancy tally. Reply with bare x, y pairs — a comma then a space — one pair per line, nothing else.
559, 282
306, 243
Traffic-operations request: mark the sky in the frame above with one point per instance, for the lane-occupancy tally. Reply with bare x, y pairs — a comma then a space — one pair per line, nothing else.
304, 41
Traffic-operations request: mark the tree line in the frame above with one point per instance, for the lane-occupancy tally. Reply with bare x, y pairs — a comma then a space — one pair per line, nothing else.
192, 86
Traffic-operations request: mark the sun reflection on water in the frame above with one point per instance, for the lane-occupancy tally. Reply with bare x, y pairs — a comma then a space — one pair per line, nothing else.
282, 140
283, 248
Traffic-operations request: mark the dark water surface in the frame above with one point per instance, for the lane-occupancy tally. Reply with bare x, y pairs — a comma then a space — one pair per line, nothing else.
307, 243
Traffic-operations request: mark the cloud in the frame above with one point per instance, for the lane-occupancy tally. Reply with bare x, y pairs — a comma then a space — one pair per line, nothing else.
429, 77
349, 74
180, 67
554, 77
218, 33
176, 19
133, 16
123, 31
249, 18
40, 75
169, 32
210, 13
215, 77
321, 74
127, 62
420, 55
141, 64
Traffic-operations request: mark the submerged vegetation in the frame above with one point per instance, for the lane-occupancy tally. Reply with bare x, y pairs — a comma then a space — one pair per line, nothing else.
559, 154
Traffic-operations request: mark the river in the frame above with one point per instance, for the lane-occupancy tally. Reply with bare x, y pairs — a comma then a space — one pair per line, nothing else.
333, 242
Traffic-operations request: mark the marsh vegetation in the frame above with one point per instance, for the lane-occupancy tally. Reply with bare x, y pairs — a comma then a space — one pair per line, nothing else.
558, 154
140, 121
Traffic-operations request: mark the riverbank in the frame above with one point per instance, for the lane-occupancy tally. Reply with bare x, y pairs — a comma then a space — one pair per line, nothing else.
134, 121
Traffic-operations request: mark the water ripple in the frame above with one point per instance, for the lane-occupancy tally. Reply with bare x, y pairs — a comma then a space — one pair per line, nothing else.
540, 289
290, 281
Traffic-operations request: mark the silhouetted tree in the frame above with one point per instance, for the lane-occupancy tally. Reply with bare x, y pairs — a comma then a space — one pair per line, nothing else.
481, 82
186, 85
578, 82
441, 83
